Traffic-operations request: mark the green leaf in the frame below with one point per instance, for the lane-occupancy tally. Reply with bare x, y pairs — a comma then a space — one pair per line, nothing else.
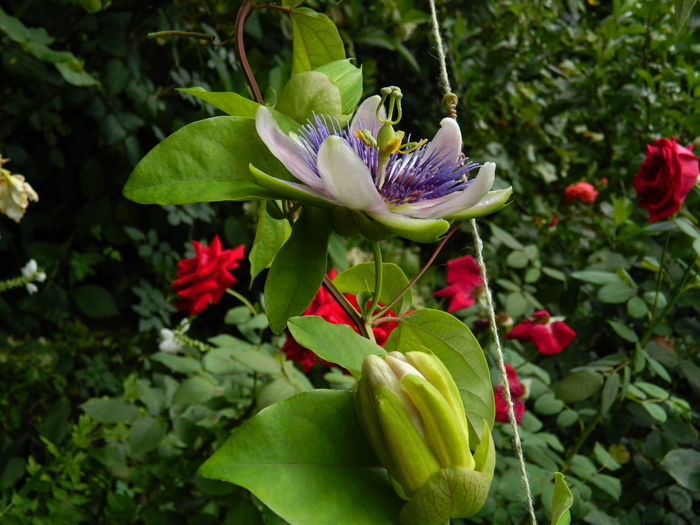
454, 344
567, 418
517, 259
35, 41
610, 388
298, 270
308, 448
604, 458
548, 405
624, 331
637, 307
682, 10
579, 385
691, 371
315, 40
616, 292
95, 301
683, 464
204, 161
230, 103
110, 410
506, 238
337, 343
608, 484
562, 499
656, 411
360, 278
270, 236
194, 391
310, 93
145, 434
177, 363
596, 277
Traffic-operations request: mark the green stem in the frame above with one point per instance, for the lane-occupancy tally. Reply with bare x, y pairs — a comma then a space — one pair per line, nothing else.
581, 440
406, 288
15, 283
243, 300
676, 295
378, 279
659, 277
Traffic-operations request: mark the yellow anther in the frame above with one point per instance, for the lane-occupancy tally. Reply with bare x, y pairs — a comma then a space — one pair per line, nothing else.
366, 137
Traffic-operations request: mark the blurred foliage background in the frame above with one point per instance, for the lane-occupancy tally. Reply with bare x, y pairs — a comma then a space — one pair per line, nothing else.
100, 427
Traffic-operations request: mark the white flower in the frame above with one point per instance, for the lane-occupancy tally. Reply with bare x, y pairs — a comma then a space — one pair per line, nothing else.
15, 194
31, 271
169, 342
408, 188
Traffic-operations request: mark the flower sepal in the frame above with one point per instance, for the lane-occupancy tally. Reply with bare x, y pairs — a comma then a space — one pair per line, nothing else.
453, 492
493, 201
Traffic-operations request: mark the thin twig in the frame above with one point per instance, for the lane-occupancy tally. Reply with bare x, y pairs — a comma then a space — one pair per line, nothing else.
425, 267
243, 13
349, 309
201, 36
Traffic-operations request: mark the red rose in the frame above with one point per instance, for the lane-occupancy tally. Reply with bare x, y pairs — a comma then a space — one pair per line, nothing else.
667, 174
205, 277
325, 306
550, 337
582, 191
464, 283
516, 390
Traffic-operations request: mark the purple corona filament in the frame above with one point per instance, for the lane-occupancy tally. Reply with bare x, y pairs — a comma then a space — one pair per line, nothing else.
409, 178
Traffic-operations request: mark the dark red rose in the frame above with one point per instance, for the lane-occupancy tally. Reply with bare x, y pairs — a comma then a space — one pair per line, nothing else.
204, 278
516, 390
325, 306
464, 283
667, 174
582, 191
550, 337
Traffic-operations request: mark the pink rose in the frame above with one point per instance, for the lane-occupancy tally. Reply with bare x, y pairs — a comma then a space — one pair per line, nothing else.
667, 174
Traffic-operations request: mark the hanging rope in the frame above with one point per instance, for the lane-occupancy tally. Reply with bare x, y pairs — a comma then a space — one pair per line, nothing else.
450, 101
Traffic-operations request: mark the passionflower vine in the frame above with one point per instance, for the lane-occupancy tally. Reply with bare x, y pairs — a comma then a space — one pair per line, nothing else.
410, 188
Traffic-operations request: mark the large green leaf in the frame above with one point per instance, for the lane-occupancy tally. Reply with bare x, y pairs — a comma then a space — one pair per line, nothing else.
270, 236
297, 272
579, 385
307, 459
682, 9
202, 162
237, 106
360, 278
337, 343
315, 40
450, 339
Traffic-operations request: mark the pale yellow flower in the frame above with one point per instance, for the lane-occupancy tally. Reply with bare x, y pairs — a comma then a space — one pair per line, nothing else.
15, 193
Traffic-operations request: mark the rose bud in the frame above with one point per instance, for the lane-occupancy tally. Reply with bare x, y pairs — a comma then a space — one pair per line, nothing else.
412, 413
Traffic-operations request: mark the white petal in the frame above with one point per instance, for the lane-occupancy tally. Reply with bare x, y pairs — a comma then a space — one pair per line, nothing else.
284, 148
366, 116
447, 141
346, 177
457, 201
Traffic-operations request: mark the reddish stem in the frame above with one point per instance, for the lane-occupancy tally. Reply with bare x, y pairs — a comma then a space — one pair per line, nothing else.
419, 274
243, 13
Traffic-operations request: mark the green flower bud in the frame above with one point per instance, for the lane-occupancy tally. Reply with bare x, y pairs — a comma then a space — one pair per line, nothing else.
412, 413
348, 79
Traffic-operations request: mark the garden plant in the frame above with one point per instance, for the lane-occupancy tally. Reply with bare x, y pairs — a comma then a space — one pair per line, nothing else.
349, 263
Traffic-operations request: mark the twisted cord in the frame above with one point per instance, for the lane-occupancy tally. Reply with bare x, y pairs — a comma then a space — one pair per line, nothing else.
450, 100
